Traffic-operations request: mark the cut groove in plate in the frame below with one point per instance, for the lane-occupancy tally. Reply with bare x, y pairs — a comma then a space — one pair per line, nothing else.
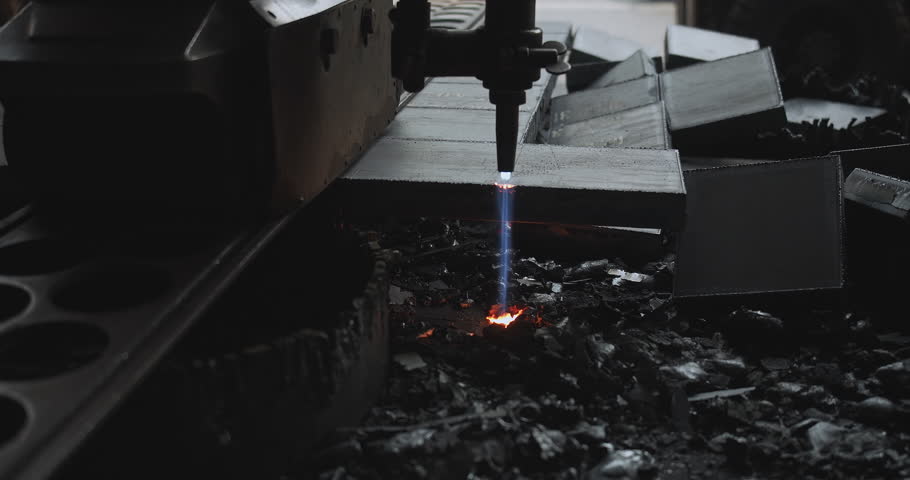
111, 288
13, 301
49, 349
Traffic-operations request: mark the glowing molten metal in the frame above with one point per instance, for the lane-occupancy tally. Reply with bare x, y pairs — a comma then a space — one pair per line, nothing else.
504, 317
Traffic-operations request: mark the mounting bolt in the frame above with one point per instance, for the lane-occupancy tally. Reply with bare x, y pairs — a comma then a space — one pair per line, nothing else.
328, 45
367, 24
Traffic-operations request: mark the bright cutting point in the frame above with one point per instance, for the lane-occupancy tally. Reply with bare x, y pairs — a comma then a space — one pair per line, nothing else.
505, 176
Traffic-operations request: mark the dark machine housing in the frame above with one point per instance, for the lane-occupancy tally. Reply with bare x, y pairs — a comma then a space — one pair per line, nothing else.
192, 108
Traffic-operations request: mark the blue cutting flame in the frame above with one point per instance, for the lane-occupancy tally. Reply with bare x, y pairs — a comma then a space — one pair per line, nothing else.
505, 243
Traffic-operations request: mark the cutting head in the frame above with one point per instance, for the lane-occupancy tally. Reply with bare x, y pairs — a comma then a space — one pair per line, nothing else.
507, 54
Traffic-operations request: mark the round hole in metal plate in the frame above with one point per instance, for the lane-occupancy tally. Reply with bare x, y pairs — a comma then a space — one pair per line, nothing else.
12, 418
48, 349
111, 288
34, 257
13, 301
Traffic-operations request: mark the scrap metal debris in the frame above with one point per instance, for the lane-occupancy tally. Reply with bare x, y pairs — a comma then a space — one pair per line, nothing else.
604, 375
609, 380
410, 361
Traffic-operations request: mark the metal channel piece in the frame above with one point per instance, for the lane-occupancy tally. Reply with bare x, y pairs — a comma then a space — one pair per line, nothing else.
883, 193
719, 107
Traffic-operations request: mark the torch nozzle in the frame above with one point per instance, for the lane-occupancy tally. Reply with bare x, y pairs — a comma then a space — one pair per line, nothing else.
506, 136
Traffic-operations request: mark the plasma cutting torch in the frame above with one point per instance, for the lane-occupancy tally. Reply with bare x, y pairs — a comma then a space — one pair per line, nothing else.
507, 54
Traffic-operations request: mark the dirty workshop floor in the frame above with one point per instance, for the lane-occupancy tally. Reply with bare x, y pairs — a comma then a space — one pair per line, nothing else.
602, 377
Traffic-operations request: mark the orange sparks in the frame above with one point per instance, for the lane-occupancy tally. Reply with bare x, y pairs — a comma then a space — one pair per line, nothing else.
499, 316
427, 334
504, 186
